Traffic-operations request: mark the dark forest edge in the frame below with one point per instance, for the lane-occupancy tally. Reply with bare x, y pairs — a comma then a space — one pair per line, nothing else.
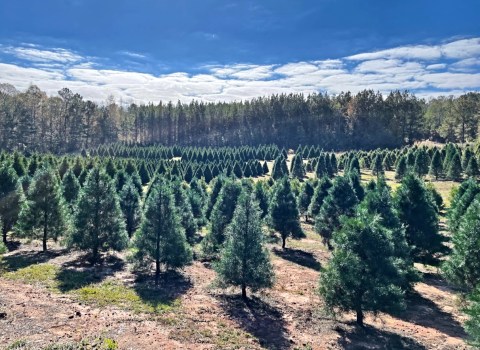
33, 121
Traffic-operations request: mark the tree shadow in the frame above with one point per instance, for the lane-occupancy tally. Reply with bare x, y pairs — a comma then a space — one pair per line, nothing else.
369, 337
13, 245
299, 257
23, 259
261, 320
171, 286
426, 313
79, 273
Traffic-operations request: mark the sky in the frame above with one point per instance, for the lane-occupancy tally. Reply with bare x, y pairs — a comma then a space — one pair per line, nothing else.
219, 50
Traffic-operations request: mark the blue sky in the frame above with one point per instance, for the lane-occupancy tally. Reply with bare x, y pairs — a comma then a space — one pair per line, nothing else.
213, 50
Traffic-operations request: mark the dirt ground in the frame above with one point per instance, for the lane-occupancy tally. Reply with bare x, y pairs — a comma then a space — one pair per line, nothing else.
289, 316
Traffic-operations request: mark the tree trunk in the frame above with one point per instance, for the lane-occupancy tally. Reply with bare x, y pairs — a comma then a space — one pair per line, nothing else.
283, 242
4, 233
157, 271
94, 254
244, 292
360, 317
45, 237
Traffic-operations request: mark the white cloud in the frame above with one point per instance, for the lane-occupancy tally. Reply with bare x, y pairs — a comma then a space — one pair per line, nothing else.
445, 69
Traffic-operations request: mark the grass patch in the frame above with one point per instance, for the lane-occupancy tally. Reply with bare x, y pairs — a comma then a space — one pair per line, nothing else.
139, 300
17, 344
44, 274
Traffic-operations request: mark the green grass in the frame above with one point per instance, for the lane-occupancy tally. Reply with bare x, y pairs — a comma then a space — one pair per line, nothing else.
102, 293
99, 343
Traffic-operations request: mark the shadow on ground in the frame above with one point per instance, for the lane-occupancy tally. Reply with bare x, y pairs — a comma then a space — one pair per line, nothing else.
171, 286
373, 338
261, 320
79, 273
299, 257
426, 313
23, 259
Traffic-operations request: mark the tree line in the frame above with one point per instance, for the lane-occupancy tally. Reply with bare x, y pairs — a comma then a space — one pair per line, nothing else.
33, 121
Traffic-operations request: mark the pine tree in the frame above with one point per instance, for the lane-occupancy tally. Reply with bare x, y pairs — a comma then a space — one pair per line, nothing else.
216, 188
261, 196
279, 168
341, 200
130, 205
454, 171
377, 165
436, 166
464, 196
417, 212
244, 260
98, 222
356, 183
421, 162
401, 168
305, 198
221, 216
10, 199
161, 237
297, 169
472, 325
321, 167
283, 211
463, 266
362, 275
319, 195
70, 188
182, 203
43, 214
472, 167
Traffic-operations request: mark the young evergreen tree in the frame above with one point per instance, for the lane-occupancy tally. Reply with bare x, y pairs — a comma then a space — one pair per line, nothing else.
261, 196
43, 214
377, 165
185, 211
70, 188
297, 168
283, 211
319, 195
472, 167
305, 198
362, 275
472, 325
356, 183
130, 205
454, 171
463, 266
421, 162
341, 200
401, 168
221, 216
417, 212
464, 196
98, 223
11, 196
436, 166
279, 168
161, 237
212, 199
244, 260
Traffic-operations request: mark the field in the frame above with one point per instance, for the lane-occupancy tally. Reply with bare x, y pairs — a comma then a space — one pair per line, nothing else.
55, 300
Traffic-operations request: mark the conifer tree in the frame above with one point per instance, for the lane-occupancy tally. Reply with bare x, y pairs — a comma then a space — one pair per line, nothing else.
472, 325
279, 168
472, 167
319, 195
10, 199
377, 165
130, 205
161, 237
321, 167
221, 216
421, 162
362, 275
297, 168
185, 211
354, 164
283, 211
98, 223
43, 214
261, 196
70, 188
305, 198
454, 171
463, 266
462, 199
436, 166
265, 168
356, 183
244, 260
341, 200
401, 168
216, 187
417, 212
